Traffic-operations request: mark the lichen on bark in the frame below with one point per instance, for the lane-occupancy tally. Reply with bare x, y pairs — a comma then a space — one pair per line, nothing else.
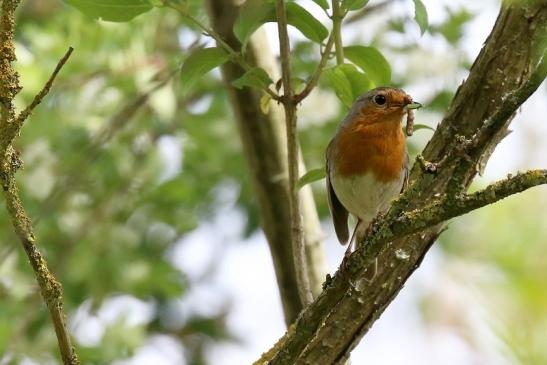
508, 64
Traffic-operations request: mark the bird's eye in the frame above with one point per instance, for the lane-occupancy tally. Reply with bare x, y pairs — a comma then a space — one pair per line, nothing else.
380, 99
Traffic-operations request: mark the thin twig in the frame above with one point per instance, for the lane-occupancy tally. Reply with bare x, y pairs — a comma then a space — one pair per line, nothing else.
45, 90
289, 104
317, 73
337, 17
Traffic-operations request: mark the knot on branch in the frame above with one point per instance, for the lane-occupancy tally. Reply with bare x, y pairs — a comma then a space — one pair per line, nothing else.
426, 166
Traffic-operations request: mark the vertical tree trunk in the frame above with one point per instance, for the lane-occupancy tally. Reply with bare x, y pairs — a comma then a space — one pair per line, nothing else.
265, 147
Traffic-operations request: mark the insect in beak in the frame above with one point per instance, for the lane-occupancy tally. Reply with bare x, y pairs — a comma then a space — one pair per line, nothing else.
410, 117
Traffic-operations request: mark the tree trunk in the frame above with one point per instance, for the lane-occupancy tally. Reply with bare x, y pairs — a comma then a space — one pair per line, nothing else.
265, 147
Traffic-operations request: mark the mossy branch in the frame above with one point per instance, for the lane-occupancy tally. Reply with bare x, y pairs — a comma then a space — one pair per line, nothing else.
10, 125
444, 209
498, 83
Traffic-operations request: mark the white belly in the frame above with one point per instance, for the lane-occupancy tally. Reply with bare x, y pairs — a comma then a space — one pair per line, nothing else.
363, 195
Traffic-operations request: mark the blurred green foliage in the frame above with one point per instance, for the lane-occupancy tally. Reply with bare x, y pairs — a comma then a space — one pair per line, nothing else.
109, 204
508, 241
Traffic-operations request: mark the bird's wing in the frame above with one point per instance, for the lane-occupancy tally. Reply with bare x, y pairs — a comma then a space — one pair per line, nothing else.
337, 210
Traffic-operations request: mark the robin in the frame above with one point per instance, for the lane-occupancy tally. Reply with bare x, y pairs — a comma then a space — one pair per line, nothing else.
367, 160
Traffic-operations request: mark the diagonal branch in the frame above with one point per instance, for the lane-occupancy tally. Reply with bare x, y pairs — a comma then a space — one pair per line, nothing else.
330, 327
511, 102
317, 73
45, 90
442, 210
13, 128
50, 288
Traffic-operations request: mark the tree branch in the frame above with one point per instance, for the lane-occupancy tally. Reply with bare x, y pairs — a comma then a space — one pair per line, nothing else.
337, 18
444, 209
45, 90
263, 138
50, 288
511, 102
289, 104
317, 73
9, 79
330, 327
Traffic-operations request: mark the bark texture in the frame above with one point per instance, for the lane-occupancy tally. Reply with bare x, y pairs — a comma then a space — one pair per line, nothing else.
10, 127
264, 142
507, 71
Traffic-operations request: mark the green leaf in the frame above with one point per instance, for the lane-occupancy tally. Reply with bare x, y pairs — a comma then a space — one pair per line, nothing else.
302, 20
322, 3
252, 15
420, 15
417, 127
348, 82
341, 85
359, 82
112, 10
255, 13
371, 61
200, 62
256, 77
354, 4
311, 176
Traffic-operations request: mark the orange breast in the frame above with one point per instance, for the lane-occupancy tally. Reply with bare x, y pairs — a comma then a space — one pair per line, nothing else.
378, 148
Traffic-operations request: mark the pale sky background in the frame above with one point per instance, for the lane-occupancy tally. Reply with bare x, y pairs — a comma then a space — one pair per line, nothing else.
245, 273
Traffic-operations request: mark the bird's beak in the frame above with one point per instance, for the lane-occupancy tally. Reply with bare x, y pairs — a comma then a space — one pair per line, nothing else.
413, 105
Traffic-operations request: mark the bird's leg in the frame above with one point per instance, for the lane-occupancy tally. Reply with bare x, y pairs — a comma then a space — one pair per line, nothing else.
358, 236
372, 274
351, 242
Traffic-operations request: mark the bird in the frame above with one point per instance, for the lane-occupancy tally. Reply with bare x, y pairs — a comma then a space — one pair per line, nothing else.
367, 160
